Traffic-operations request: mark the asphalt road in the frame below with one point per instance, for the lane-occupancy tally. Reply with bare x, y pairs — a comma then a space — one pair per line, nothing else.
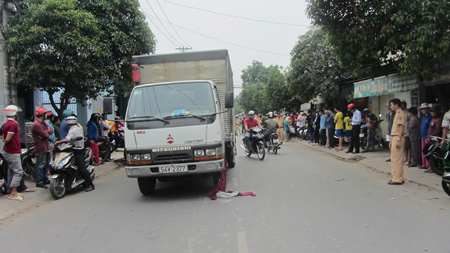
306, 202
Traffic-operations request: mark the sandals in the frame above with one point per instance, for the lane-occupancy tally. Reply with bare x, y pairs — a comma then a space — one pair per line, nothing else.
18, 197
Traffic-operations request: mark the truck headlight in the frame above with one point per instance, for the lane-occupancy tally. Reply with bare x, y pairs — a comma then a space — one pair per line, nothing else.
136, 157
200, 152
146, 157
210, 152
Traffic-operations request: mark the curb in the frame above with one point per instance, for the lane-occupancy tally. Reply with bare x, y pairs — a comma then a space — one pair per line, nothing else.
368, 166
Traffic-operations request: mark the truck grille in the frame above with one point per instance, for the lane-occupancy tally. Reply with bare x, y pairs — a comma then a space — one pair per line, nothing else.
172, 158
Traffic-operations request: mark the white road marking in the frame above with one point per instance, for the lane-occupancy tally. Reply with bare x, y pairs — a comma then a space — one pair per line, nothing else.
242, 242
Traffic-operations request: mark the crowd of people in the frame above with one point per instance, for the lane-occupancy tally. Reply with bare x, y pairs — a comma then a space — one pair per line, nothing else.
47, 131
409, 130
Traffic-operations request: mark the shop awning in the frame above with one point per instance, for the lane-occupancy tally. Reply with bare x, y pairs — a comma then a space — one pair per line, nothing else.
385, 85
440, 78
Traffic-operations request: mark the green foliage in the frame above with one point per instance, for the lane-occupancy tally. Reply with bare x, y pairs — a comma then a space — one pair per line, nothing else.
378, 37
125, 34
71, 46
314, 67
265, 89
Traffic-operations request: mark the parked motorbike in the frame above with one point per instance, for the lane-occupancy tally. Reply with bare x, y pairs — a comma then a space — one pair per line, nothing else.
446, 176
65, 174
271, 141
117, 139
3, 177
104, 148
28, 159
257, 144
435, 155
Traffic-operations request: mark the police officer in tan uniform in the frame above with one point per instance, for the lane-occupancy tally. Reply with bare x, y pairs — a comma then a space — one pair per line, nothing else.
397, 144
280, 130
237, 128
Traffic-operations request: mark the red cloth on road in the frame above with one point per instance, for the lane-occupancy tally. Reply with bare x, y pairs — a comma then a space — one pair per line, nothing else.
222, 184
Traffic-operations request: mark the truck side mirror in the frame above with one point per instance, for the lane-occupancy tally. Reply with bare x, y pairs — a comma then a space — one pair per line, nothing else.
229, 99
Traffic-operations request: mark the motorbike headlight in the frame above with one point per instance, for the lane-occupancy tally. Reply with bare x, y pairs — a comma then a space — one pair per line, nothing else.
210, 152
199, 152
146, 157
63, 163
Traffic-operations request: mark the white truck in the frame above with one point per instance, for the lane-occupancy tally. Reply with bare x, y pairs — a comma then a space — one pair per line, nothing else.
180, 117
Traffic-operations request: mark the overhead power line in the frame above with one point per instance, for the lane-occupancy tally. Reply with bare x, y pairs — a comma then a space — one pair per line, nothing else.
226, 42
165, 28
149, 18
171, 24
234, 16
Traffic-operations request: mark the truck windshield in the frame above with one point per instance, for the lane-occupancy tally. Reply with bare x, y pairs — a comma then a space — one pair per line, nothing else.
171, 101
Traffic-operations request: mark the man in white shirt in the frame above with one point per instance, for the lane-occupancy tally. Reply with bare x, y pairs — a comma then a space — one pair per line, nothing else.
105, 129
445, 127
356, 126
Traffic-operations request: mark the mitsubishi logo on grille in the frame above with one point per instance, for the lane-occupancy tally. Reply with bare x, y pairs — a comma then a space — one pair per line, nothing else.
170, 139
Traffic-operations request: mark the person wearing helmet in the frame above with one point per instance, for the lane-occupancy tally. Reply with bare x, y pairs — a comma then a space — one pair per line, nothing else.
64, 128
12, 150
271, 125
92, 135
356, 128
249, 123
75, 131
41, 133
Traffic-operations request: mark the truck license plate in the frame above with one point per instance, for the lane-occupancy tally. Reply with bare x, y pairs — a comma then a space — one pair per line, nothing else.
173, 169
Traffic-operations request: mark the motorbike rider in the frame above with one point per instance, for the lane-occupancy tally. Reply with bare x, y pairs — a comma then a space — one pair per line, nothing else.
271, 126
75, 132
249, 123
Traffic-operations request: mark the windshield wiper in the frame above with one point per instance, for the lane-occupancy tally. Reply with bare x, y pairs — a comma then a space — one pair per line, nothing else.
183, 116
149, 118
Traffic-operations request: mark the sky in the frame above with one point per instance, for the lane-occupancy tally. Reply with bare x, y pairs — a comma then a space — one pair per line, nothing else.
245, 40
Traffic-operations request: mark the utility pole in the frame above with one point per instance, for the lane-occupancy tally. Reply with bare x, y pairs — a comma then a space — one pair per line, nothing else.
183, 49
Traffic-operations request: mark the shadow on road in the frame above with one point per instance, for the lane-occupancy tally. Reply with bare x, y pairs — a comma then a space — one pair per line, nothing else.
181, 189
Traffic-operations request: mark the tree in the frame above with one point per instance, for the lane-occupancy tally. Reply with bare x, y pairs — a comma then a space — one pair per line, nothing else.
265, 88
126, 34
314, 67
255, 73
62, 45
379, 37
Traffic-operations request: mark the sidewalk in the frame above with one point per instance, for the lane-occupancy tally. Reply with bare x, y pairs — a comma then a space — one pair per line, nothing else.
11, 208
377, 161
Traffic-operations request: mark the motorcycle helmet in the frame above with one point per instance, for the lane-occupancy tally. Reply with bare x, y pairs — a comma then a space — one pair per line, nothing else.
366, 110
67, 113
71, 120
251, 114
270, 114
11, 110
351, 106
40, 111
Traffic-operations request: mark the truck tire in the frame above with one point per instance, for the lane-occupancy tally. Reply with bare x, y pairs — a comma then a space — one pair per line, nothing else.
147, 185
229, 156
216, 177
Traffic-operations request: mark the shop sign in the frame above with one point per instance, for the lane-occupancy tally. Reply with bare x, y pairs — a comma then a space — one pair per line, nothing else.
385, 85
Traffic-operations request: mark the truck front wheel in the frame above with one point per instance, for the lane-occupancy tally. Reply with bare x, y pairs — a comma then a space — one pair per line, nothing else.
147, 185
